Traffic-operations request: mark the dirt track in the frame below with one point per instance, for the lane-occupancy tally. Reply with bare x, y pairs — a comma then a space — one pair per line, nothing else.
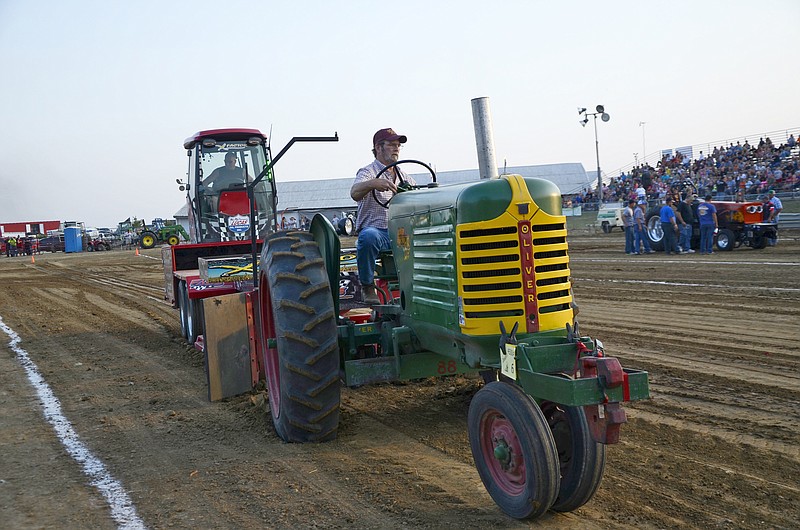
716, 446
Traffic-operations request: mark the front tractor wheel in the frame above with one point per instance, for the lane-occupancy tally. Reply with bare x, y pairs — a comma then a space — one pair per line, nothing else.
514, 450
726, 239
297, 311
148, 239
173, 240
580, 458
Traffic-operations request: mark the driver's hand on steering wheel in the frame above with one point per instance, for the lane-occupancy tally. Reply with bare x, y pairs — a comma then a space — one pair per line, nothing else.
384, 185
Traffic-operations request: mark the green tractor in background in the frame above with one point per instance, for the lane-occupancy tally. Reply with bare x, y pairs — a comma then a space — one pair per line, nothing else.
161, 231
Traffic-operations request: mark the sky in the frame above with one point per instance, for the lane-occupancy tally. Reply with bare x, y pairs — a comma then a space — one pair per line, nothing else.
96, 97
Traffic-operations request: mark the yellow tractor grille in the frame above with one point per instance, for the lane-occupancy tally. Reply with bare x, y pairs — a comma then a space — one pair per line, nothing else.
511, 271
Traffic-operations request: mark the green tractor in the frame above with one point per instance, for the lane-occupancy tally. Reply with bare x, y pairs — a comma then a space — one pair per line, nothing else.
169, 232
477, 281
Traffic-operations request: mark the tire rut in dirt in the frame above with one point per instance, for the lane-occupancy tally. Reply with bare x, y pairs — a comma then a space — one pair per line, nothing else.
297, 310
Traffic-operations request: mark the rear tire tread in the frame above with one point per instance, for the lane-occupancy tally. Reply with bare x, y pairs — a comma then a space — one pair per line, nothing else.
302, 317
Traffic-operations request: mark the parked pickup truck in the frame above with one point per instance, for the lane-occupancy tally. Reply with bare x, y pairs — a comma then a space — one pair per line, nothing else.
609, 216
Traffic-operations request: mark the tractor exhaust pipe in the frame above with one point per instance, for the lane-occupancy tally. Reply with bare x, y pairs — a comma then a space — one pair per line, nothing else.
482, 119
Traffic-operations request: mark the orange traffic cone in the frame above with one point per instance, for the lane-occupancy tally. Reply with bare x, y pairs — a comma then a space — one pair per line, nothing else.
137, 251
33, 260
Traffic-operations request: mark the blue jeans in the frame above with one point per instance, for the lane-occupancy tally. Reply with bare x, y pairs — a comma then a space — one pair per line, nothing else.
370, 242
639, 238
669, 238
628, 240
686, 237
706, 238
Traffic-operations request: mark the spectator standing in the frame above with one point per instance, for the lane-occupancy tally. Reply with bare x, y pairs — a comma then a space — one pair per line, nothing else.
639, 230
777, 206
669, 226
707, 214
627, 223
641, 193
685, 220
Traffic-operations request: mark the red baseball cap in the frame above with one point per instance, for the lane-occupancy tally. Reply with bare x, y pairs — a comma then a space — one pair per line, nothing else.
387, 135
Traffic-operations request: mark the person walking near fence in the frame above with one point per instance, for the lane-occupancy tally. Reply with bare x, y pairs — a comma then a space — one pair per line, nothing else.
685, 222
627, 222
640, 230
669, 226
707, 213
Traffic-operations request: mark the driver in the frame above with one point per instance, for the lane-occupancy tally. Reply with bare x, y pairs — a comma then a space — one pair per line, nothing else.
371, 223
227, 175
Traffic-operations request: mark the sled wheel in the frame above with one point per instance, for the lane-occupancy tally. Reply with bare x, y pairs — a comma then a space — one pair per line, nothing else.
183, 303
173, 240
725, 239
580, 458
194, 318
513, 450
297, 311
148, 239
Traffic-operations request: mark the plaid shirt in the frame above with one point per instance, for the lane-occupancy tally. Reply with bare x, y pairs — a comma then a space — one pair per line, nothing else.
370, 213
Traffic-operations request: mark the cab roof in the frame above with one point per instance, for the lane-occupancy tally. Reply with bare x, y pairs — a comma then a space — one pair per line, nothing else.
222, 134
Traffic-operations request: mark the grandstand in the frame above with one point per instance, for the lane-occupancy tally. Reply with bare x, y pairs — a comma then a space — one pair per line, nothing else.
741, 168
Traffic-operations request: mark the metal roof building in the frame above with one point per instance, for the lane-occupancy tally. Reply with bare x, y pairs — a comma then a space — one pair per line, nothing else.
334, 194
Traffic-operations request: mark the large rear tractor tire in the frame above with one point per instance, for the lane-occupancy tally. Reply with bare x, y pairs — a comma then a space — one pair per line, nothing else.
148, 239
653, 231
580, 458
726, 239
297, 310
514, 450
606, 227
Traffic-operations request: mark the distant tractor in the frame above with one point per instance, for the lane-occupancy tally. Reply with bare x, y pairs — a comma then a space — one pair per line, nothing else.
740, 223
161, 231
477, 281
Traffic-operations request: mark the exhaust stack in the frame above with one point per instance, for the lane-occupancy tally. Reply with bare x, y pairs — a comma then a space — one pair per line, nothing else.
482, 119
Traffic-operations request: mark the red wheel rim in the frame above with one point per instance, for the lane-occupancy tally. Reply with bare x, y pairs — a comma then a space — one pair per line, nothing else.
502, 452
269, 355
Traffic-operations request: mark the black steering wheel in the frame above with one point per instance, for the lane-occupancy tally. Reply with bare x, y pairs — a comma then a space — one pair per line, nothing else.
404, 186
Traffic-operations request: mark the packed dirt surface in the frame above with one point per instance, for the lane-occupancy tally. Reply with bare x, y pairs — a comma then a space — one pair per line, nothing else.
717, 445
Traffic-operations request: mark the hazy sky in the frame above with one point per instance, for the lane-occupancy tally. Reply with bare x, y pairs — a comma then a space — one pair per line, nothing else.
96, 97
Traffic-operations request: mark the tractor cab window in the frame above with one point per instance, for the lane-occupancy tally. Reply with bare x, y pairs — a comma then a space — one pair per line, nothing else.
223, 172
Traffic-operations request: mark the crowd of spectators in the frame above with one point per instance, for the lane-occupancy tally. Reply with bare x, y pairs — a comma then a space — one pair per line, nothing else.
738, 172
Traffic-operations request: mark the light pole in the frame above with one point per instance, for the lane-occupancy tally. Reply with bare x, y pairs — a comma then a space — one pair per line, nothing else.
644, 149
601, 111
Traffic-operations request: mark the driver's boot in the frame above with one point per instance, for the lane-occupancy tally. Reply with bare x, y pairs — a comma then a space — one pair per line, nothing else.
368, 295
